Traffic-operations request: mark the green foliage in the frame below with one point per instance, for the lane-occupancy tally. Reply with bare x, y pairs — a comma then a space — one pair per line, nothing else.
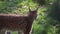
14, 32
43, 24
54, 12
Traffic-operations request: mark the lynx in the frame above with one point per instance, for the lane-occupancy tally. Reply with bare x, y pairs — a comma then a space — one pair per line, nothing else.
17, 22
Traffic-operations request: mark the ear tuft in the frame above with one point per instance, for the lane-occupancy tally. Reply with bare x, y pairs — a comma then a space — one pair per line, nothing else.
29, 9
37, 8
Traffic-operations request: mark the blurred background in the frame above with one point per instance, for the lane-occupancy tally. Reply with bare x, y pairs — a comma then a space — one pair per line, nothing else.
48, 19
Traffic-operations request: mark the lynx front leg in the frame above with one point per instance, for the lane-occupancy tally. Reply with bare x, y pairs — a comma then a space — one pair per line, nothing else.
28, 29
25, 31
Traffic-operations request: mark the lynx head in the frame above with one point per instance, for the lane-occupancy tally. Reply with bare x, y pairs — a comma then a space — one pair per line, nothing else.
33, 13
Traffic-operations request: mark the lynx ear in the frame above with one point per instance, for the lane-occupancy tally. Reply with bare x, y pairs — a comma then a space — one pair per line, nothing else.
37, 8
29, 9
